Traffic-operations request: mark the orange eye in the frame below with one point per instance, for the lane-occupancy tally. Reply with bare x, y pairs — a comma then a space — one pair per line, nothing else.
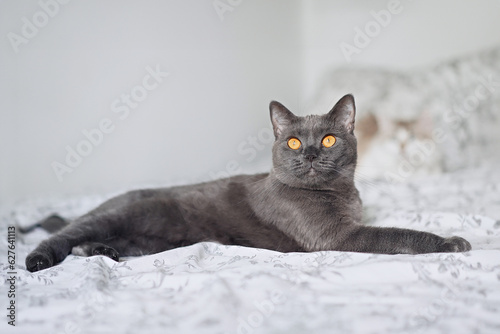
329, 141
294, 143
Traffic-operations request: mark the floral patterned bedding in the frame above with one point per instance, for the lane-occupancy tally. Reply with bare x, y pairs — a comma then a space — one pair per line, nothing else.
211, 288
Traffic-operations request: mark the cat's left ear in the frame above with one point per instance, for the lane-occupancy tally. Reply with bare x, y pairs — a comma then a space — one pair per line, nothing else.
344, 112
281, 117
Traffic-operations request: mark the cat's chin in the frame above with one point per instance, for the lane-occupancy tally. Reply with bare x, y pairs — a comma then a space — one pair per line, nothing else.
312, 172
313, 179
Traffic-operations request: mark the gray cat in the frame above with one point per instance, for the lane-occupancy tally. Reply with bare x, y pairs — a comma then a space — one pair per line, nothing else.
308, 202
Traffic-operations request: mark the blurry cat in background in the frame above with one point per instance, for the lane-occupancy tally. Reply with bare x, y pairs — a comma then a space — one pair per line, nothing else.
437, 119
388, 144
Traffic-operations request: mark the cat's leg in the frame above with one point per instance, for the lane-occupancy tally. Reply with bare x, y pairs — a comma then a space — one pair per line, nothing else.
143, 227
88, 228
388, 240
114, 248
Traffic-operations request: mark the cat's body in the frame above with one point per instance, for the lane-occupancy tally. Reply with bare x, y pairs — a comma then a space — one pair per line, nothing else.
308, 202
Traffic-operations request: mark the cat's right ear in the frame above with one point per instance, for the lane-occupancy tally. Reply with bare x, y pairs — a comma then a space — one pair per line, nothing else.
344, 112
281, 117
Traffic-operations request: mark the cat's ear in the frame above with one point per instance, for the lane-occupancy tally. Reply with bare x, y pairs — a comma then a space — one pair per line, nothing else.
344, 111
281, 117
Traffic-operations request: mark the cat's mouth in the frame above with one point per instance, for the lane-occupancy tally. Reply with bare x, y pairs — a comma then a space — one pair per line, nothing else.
312, 171
309, 169
317, 168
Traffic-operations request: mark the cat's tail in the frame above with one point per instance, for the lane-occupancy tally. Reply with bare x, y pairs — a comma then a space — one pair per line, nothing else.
51, 224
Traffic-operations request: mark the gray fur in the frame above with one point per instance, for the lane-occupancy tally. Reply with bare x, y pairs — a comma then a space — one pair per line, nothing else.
308, 202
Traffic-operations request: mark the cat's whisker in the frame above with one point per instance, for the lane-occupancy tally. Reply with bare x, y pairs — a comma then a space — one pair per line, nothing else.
362, 179
380, 187
366, 180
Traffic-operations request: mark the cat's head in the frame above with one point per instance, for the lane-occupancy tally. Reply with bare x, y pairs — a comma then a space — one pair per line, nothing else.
312, 152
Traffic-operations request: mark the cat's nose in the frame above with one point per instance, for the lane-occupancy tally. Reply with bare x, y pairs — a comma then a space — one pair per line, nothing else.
311, 153
311, 157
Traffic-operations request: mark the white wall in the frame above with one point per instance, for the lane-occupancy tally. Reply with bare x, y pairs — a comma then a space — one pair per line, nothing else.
421, 33
63, 81
222, 75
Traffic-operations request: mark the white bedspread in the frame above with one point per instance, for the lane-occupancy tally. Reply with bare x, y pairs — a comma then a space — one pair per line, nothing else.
210, 288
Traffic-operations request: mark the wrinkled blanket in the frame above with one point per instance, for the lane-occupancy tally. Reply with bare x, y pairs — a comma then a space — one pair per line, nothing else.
211, 288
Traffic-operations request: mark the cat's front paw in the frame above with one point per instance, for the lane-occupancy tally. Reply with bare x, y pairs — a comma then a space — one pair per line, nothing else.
36, 261
454, 244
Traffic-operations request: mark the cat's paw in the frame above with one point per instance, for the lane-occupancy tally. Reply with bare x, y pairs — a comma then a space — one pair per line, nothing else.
454, 244
106, 251
36, 261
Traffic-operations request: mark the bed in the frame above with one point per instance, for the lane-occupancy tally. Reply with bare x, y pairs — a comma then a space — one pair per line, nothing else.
212, 288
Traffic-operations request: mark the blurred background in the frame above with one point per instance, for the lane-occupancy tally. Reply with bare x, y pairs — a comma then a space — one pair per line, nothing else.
100, 96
